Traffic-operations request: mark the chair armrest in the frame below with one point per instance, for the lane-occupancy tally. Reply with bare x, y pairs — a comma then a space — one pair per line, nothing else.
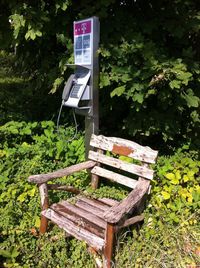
118, 211
42, 178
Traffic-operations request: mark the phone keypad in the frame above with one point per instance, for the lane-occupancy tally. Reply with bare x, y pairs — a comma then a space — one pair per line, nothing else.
75, 91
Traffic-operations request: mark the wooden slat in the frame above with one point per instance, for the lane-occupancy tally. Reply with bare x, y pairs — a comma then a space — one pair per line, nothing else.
67, 188
72, 229
124, 147
114, 177
84, 213
132, 220
108, 201
88, 224
89, 208
41, 178
117, 163
95, 203
117, 212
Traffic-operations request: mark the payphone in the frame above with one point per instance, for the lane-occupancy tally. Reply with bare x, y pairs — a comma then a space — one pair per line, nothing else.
81, 89
76, 93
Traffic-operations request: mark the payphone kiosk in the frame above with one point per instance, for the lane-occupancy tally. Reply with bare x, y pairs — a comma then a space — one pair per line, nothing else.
81, 89
76, 93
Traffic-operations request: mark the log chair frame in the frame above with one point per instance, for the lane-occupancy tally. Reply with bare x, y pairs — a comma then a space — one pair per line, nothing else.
116, 216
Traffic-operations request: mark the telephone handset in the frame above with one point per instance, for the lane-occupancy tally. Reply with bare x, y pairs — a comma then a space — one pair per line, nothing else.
67, 88
76, 92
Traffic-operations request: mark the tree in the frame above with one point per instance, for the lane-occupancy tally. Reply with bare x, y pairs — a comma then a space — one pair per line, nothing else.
149, 60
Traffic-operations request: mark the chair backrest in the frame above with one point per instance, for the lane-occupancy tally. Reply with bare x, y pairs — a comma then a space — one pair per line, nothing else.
115, 168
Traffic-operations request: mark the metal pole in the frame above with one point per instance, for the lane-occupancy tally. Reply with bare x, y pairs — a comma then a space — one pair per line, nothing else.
92, 118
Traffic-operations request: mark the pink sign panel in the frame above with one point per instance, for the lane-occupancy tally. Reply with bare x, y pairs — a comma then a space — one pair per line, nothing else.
82, 27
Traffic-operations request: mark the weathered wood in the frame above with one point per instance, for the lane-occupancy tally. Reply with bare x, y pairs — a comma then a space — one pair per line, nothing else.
87, 223
83, 213
94, 181
124, 147
95, 177
44, 201
113, 176
139, 208
95, 203
71, 228
109, 245
117, 212
70, 189
132, 220
125, 166
95, 211
41, 178
108, 201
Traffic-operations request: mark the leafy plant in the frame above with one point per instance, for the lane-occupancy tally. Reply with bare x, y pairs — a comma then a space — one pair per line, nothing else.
31, 148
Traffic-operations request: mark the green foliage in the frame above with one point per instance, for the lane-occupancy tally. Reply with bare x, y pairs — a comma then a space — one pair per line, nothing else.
19, 98
31, 148
170, 231
169, 247
149, 61
170, 234
176, 188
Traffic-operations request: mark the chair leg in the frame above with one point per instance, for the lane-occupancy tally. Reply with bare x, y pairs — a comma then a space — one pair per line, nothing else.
109, 245
44, 205
43, 224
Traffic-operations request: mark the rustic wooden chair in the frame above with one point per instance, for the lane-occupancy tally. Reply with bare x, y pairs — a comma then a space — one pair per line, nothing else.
96, 221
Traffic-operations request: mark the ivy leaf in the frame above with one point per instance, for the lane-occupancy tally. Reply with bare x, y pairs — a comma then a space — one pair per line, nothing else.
117, 91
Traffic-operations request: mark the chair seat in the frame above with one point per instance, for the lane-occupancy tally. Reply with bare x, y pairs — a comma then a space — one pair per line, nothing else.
86, 214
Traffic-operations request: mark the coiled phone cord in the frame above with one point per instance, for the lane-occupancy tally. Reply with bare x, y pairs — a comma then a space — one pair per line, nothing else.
75, 122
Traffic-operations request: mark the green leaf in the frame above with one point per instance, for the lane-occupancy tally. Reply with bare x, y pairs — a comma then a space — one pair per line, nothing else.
175, 84
5, 253
138, 97
32, 192
21, 197
117, 91
192, 101
56, 84
104, 80
173, 179
38, 33
170, 176
37, 222
165, 195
